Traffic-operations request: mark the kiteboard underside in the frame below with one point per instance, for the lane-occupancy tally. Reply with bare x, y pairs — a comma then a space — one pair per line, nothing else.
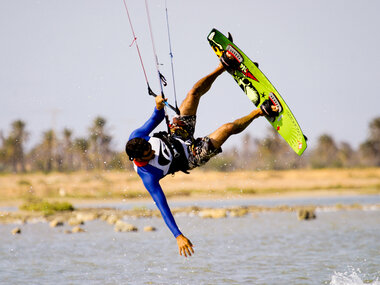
258, 89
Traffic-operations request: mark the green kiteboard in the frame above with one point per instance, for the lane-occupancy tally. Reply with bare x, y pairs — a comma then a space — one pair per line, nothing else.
258, 89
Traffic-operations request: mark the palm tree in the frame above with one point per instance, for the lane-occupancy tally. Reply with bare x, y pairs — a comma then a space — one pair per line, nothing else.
68, 149
14, 145
81, 146
370, 149
326, 153
374, 129
100, 142
347, 156
48, 147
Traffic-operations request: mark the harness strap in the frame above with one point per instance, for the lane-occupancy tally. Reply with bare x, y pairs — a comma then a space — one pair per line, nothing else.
179, 162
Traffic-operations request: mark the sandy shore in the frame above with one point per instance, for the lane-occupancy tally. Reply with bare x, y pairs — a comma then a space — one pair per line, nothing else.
116, 186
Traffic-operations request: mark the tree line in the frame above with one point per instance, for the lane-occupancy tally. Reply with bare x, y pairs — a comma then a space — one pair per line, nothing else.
273, 153
63, 152
59, 152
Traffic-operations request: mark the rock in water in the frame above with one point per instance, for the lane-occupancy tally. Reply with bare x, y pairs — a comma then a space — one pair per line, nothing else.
56, 223
239, 212
112, 219
121, 226
86, 216
213, 213
16, 231
149, 229
306, 214
77, 229
75, 221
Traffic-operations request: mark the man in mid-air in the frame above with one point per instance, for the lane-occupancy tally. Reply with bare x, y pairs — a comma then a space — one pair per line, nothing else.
156, 156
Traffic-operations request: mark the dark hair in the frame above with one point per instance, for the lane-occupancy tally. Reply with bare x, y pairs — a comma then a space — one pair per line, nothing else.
135, 148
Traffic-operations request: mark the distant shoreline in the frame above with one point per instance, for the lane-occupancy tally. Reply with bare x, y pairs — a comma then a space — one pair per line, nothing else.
118, 186
198, 198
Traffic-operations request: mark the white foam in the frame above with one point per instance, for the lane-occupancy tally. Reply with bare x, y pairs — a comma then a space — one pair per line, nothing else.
350, 278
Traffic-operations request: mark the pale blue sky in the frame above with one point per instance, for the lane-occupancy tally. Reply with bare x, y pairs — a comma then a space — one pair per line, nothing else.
62, 63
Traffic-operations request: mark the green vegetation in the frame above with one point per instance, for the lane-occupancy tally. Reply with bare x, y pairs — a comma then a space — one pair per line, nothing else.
241, 190
24, 182
48, 208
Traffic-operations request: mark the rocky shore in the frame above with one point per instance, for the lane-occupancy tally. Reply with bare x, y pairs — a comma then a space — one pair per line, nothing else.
116, 217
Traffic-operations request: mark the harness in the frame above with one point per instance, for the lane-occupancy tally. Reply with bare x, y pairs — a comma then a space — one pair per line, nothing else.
179, 162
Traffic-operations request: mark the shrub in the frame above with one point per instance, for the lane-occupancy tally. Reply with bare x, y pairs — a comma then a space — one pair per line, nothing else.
48, 208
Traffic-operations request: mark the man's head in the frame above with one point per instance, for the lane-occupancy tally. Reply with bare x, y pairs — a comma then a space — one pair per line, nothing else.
139, 149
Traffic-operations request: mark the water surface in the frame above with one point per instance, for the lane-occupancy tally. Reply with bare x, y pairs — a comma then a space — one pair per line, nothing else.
339, 247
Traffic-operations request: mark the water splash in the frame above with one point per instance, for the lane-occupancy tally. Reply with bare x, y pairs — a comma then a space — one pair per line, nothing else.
352, 278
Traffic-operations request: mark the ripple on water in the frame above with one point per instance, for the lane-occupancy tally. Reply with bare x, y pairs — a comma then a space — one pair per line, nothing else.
271, 248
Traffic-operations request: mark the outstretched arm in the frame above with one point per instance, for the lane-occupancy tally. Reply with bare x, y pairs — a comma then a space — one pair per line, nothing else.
153, 186
150, 178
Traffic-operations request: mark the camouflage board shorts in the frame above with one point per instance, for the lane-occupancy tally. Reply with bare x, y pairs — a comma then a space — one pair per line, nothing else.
200, 149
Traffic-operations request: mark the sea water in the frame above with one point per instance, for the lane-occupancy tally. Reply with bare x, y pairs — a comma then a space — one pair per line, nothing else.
339, 247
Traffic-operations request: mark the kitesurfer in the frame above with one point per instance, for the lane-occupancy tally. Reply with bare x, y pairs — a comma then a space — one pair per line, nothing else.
157, 155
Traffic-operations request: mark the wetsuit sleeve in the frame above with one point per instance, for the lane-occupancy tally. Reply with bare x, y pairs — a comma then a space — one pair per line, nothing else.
150, 178
149, 126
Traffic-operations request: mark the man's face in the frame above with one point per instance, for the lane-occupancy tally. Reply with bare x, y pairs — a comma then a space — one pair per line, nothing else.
148, 154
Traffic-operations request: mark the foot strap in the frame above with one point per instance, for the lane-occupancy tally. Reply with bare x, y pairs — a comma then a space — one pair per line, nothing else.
266, 107
231, 58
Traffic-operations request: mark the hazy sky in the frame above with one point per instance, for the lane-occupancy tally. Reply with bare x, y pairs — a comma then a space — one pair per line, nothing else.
62, 63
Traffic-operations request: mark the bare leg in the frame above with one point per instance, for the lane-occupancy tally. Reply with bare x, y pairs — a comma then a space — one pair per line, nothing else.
224, 132
190, 104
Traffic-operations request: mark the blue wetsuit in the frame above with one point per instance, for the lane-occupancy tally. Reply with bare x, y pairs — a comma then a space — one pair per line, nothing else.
157, 168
